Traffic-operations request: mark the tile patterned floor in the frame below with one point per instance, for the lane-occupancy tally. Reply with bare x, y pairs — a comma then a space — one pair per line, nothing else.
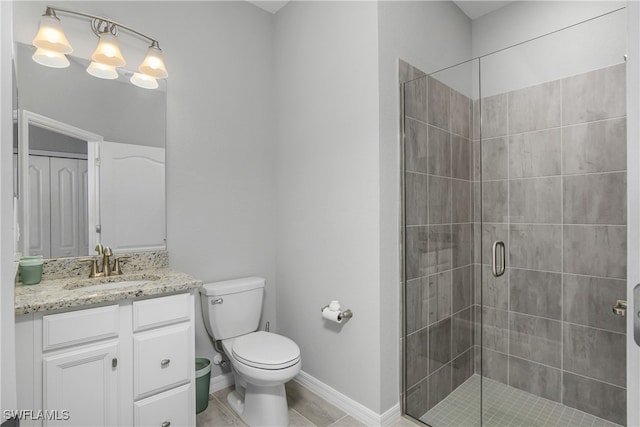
306, 409
504, 406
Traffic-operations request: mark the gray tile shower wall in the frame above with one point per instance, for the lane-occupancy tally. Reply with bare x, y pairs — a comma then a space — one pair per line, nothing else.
554, 190
439, 241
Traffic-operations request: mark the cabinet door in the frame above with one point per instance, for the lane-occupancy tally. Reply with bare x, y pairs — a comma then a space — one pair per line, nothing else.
39, 207
83, 382
64, 207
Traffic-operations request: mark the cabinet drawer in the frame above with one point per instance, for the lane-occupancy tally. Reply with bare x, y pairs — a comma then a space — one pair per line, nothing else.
161, 311
78, 327
172, 408
161, 359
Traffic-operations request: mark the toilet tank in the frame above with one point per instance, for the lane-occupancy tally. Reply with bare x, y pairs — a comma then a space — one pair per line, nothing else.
232, 307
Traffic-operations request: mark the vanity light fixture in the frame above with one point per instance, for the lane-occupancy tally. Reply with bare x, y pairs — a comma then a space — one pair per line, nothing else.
102, 71
144, 81
50, 35
53, 45
153, 64
108, 52
50, 58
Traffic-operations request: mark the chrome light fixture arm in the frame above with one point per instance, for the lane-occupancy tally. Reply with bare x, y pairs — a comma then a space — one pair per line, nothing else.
100, 24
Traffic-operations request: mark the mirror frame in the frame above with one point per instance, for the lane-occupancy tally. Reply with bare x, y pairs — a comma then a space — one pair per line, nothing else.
28, 118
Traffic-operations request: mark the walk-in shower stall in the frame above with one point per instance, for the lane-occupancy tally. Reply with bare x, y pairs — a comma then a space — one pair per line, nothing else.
514, 235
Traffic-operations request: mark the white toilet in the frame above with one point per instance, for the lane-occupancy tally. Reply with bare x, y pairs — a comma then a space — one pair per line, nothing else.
262, 361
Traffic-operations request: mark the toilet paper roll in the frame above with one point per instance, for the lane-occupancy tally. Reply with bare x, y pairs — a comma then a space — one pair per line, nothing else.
334, 316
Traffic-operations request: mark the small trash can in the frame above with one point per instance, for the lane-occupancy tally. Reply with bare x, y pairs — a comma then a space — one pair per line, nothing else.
203, 375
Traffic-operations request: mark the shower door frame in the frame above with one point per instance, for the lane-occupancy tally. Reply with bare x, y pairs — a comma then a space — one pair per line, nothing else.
633, 207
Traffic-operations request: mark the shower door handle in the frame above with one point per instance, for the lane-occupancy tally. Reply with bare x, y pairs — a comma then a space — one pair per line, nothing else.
498, 269
636, 315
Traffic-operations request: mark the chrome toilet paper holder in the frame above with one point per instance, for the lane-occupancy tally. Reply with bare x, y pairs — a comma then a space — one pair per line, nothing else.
346, 314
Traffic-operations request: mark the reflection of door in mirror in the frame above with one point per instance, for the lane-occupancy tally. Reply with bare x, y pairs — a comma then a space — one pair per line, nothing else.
58, 214
58, 204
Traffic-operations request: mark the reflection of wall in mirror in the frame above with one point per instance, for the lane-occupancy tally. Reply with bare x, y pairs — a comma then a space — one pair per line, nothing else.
119, 111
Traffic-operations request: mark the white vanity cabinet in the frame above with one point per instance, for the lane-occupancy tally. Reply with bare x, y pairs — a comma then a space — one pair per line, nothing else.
128, 363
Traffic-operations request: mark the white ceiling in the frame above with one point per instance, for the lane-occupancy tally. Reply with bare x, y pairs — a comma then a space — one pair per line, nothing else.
472, 8
475, 9
269, 5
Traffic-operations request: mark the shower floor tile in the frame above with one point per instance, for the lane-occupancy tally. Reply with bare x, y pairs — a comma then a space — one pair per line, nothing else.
504, 406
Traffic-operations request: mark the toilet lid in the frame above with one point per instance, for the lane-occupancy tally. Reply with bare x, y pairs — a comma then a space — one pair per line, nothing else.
266, 350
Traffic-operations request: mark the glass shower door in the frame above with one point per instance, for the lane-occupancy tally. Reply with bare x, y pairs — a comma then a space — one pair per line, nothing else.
514, 234
439, 222
553, 192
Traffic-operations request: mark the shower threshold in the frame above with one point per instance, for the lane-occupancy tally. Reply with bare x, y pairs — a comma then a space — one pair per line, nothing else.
504, 406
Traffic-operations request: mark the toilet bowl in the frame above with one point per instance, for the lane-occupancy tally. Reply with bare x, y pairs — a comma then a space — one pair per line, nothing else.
261, 361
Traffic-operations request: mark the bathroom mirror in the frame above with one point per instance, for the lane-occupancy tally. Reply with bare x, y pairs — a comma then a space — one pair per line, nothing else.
90, 157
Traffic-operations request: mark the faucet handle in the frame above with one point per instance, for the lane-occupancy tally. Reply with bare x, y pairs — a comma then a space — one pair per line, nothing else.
94, 267
117, 268
106, 266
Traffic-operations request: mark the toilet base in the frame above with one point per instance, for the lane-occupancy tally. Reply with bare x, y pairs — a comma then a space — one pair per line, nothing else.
261, 406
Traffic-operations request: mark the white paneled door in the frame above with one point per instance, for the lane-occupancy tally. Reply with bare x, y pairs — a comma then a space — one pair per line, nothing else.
40, 207
58, 207
132, 196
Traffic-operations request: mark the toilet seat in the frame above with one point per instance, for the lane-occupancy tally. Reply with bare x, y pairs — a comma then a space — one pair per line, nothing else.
265, 350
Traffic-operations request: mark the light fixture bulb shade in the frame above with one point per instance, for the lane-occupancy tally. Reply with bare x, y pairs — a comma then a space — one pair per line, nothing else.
144, 81
153, 64
102, 71
50, 58
108, 51
51, 37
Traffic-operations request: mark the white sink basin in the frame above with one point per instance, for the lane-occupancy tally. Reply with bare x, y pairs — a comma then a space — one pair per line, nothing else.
113, 285
112, 282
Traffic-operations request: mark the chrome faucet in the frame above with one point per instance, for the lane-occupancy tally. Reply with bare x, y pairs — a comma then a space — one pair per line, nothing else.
105, 269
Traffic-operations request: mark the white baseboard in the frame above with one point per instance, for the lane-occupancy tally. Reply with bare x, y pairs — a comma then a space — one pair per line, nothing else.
220, 382
350, 406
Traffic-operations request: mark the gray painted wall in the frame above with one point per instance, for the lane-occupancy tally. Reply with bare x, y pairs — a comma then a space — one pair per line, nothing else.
589, 46
327, 180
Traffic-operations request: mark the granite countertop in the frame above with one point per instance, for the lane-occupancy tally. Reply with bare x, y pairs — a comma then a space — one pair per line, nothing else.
61, 293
